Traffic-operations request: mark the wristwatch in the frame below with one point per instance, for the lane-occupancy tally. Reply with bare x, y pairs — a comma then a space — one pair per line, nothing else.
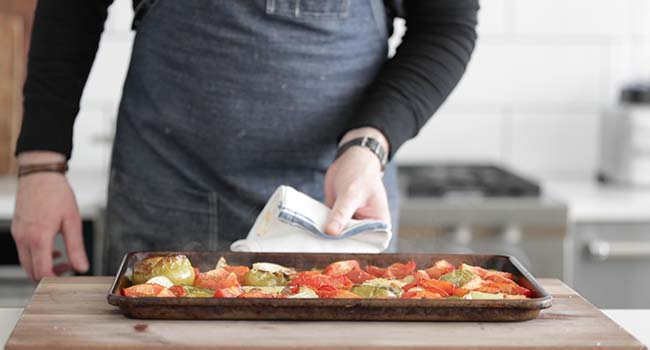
368, 142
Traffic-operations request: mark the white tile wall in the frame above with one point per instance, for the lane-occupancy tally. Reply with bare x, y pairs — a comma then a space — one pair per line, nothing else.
542, 73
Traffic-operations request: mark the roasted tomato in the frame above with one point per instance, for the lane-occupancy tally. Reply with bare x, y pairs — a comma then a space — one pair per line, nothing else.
217, 279
399, 270
460, 292
337, 294
505, 288
318, 281
147, 290
445, 286
421, 294
484, 273
341, 268
376, 271
239, 271
439, 268
178, 291
231, 292
358, 276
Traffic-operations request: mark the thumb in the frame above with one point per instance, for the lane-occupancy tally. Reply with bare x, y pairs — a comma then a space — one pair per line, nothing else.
344, 207
74, 243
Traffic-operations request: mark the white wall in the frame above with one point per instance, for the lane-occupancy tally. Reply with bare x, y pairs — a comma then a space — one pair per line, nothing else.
542, 73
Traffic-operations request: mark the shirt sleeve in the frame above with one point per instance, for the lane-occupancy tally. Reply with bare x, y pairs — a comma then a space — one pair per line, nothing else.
411, 86
64, 42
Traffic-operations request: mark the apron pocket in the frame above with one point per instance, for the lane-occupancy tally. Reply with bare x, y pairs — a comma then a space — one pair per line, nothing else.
323, 9
146, 216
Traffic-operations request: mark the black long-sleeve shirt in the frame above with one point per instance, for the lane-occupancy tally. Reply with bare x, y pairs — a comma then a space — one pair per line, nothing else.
409, 88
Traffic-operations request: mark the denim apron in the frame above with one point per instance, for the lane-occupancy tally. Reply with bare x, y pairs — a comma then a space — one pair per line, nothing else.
223, 102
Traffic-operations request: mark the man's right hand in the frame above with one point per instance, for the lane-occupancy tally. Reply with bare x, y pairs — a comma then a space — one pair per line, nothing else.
46, 206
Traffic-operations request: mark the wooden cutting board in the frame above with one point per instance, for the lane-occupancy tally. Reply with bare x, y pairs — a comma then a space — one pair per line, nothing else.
72, 313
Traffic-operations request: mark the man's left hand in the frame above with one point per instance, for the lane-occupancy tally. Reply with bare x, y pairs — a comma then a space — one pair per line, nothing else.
354, 186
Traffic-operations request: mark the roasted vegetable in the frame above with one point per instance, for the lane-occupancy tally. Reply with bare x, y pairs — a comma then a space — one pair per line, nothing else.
368, 291
174, 276
196, 292
258, 278
177, 268
458, 277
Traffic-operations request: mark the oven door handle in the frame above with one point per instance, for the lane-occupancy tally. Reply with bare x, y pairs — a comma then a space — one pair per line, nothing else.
603, 250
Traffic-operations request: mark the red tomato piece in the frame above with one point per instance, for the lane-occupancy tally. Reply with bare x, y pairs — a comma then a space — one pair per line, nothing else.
337, 294
216, 279
341, 268
146, 290
231, 292
239, 271
178, 291
421, 294
400, 270
358, 276
446, 287
505, 288
439, 268
484, 274
376, 271
318, 281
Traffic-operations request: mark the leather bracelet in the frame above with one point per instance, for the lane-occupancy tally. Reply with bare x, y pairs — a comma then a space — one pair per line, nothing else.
368, 142
60, 167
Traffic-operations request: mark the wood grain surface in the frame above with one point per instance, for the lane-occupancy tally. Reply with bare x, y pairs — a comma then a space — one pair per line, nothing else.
72, 313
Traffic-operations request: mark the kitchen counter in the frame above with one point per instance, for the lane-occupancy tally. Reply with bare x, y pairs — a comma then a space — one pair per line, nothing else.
591, 202
637, 322
72, 313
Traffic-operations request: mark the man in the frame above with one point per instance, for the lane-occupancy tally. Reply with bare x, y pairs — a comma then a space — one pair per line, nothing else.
224, 101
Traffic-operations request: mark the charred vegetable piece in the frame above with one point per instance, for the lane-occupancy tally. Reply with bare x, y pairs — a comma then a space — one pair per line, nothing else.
368, 291
458, 277
177, 268
195, 292
142, 269
259, 278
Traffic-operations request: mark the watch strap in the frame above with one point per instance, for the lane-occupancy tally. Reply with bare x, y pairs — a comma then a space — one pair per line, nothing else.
367, 142
59, 167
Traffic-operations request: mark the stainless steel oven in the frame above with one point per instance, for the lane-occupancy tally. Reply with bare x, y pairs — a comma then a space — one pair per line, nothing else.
610, 263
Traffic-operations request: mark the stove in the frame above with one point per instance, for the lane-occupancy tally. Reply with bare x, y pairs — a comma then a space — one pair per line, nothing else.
449, 180
481, 208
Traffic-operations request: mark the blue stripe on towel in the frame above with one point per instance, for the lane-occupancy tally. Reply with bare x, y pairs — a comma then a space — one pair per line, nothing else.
295, 218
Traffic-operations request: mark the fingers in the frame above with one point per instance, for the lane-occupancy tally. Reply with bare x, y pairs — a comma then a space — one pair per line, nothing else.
342, 211
74, 243
41, 252
25, 259
62, 268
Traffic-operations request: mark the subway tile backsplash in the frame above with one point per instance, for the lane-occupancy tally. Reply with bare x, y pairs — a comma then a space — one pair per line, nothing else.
542, 73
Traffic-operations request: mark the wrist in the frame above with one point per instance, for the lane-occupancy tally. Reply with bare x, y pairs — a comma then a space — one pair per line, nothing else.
367, 146
367, 131
39, 157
